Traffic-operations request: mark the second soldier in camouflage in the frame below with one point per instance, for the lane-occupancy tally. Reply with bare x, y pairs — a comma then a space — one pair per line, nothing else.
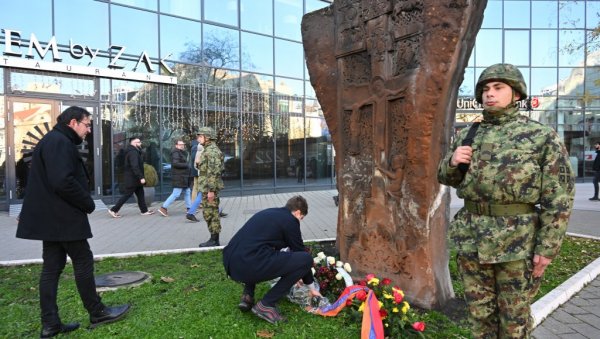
210, 169
518, 191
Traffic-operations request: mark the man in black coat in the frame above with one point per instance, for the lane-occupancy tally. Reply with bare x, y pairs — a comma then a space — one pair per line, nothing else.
134, 179
55, 209
180, 178
254, 255
596, 169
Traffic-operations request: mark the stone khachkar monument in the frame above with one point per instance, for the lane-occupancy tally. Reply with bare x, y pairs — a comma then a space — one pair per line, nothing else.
386, 73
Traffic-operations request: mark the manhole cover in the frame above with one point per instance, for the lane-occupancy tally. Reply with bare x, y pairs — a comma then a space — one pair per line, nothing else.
118, 279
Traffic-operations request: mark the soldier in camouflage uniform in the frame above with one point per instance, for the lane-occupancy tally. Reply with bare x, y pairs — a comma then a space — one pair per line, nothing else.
518, 188
210, 183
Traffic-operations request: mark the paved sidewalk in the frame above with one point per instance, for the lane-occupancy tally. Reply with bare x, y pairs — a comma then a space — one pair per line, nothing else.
135, 234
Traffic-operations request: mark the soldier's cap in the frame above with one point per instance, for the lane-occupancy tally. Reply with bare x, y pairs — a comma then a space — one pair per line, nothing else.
206, 131
506, 73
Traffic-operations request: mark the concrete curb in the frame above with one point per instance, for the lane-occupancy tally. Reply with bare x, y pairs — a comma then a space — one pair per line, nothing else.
136, 254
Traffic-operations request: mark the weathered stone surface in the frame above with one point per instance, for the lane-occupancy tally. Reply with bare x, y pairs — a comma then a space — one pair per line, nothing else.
386, 74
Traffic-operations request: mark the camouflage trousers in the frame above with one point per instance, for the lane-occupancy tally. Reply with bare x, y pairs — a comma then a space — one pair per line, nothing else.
498, 296
210, 212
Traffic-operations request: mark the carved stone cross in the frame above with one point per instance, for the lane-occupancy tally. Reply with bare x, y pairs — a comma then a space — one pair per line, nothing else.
386, 73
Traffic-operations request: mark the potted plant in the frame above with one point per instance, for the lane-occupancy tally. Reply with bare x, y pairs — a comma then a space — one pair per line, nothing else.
151, 181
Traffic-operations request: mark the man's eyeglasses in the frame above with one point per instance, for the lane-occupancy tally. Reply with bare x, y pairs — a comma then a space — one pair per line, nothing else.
87, 124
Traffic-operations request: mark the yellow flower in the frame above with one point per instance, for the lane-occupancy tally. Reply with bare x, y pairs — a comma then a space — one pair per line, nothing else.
380, 304
362, 307
373, 281
405, 307
395, 310
386, 325
387, 296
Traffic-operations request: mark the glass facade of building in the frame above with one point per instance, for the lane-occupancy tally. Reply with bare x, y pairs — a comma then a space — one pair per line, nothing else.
555, 44
239, 68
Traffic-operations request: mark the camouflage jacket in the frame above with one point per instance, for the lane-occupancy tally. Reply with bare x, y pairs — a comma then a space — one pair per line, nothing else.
515, 161
210, 169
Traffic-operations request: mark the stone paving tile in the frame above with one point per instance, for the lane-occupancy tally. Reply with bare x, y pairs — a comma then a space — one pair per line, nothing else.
581, 302
586, 331
556, 327
573, 309
543, 333
564, 317
591, 319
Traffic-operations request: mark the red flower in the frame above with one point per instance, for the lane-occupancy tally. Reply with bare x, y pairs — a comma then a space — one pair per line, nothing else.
362, 283
348, 302
361, 295
398, 297
383, 313
419, 326
386, 281
370, 276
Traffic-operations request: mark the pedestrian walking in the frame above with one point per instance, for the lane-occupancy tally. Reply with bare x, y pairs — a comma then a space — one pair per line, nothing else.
180, 178
516, 179
55, 210
596, 169
134, 179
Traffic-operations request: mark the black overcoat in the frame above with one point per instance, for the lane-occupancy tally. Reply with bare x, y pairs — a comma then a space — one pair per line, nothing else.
57, 198
255, 248
180, 169
134, 167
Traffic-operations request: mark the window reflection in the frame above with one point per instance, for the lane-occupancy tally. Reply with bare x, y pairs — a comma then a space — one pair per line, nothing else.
543, 81
19, 16
289, 86
257, 82
258, 153
253, 9
318, 152
223, 11
309, 90
288, 15
517, 56
289, 58
147, 4
493, 21
95, 31
188, 9
571, 14
516, 21
289, 150
221, 47
134, 29
544, 45
546, 14
468, 85
258, 53
571, 51
178, 37
487, 50
313, 108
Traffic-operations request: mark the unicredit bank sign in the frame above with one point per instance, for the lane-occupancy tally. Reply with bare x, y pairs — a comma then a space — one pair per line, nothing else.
19, 54
472, 104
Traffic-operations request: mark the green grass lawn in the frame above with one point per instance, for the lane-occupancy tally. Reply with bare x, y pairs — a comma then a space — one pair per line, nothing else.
201, 301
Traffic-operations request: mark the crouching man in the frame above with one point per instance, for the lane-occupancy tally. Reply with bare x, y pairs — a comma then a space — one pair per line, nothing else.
254, 255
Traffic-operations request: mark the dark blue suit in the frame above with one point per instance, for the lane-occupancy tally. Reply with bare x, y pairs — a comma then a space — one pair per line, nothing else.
254, 253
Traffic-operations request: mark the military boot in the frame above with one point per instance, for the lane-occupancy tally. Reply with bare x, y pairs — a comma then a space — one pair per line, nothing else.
214, 241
